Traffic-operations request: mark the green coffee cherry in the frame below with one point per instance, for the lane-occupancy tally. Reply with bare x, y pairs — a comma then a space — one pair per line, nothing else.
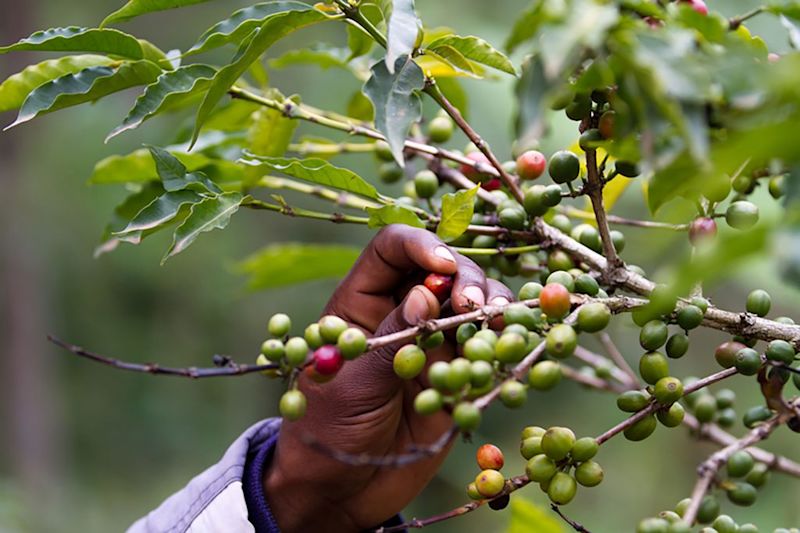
292, 405
490, 483
709, 510
725, 524
758, 475
296, 351
653, 335
580, 107
641, 429
653, 525
544, 375
458, 374
273, 349
705, 407
481, 373
540, 468
440, 129
561, 341
383, 151
564, 166
330, 327
437, 375
518, 329
477, 349
753, 416
557, 442
590, 139
759, 302
725, 398
672, 417
428, 402
512, 218
586, 284
739, 464
743, 494
409, 361
593, 317
262, 360
747, 361
780, 350
562, 488
472, 492
425, 184
584, 449
677, 346
467, 417
279, 325
529, 291
513, 394
618, 240
748, 528
511, 348
465, 332
532, 431
633, 401
742, 215
390, 172
562, 277
313, 336
487, 335
531, 446
690, 317
726, 418
589, 474
534, 201
430, 341
628, 169
668, 390
522, 314
352, 342
652, 367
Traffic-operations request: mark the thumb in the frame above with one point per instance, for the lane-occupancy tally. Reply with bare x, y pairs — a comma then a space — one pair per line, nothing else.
419, 305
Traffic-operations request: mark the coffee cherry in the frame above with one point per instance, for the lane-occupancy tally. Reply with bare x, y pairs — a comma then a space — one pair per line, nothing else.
618, 240
589, 237
513, 218
593, 317
430, 341
586, 284
472, 492
523, 315
677, 346
709, 510
465, 332
489, 457
459, 373
273, 349
705, 407
777, 186
529, 291
562, 488
428, 402
480, 373
699, 6
562, 277
511, 348
383, 151
725, 524
409, 361
564, 166
513, 394
470, 171
742, 494
540, 468
390, 172
580, 107
780, 350
690, 317
747, 361
726, 418
490, 483
741, 215
440, 129
584, 449
534, 201
531, 446
725, 398
701, 230
477, 349
725, 353
653, 525
673, 416
652, 367
554, 301
279, 325
292, 405
426, 184
352, 342
653, 335
589, 474
561, 341
590, 139
531, 165
440, 285
739, 464
748, 528
668, 390
559, 260
759, 302
313, 336
758, 475
532, 431
500, 503
467, 416
551, 196
633, 401
557, 442
328, 360
753, 416
628, 169
544, 375
487, 335
296, 351
330, 327
743, 184
641, 429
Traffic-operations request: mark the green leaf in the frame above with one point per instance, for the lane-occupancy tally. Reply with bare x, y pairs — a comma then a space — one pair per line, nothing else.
393, 214
270, 133
403, 32
135, 8
157, 214
274, 28
241, 24
321, 57
358, 41
172, 89
396, 101
16, 88
457, 210
360, 108
526, 25
455, 59
174, 176
207, 215
477, 50
124, 213
75, 39
527, 517
531, 93
317, 171
285, 264
88, 85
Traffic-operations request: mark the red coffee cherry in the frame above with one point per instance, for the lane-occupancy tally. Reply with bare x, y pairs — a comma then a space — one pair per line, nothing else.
702, 229
554, 300
531, 165
440, 285
328, 360
470, 171
489, 457
492, 185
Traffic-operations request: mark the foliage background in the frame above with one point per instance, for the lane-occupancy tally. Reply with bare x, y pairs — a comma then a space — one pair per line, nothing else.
84, 448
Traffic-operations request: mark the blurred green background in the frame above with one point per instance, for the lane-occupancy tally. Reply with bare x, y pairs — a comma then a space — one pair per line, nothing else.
84, 448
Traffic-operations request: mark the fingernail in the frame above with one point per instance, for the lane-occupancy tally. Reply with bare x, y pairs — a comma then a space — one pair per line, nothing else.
499, 300
474, 294
415, 307
444, 253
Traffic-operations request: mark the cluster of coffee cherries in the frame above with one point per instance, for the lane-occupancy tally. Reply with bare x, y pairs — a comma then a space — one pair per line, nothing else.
320, 353
558, 462
489, 484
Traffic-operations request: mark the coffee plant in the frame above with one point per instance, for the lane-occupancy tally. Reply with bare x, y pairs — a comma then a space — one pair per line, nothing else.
659, 91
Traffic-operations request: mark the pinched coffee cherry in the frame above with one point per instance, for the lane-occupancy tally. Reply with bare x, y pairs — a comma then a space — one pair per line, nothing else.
409, 361
352, 342
440, 285
328, 360
489, 457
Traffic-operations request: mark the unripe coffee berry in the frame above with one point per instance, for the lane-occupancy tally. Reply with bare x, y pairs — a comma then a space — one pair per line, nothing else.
673, 416
532, 431
544, 375
465, 332
459, 373
690, 317
279, 325
481, 373
292, 405
747, 361
584, 449
629, 169
428, 402
489, 457
641, 429
668, 390
328, 360
759, 302
425, 184
653, 525
652, 367
701, 230
742, 215
352, 342
409, 361
589, 474
330, 327
743, 494
487, 335
521, 314
557, 442
753, 416
564, 166
296, 351
313, 336
540, 468
440, 285
554, 301
440, 129
562, 488
633, 401
561, 341
513, 394
739, 464
780, 350
562, 277
531, 165
677, 346
653, 335
390, 172
490, 483
725, 354
725, 524
531, 446
530, 290
709, 510
586, 284
705, 407
431, 340
593, 317
467, 416
511, 348
273, 349
758, 475
580, 107
472, 492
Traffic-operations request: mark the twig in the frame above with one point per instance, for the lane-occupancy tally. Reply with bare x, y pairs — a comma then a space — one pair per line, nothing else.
574, 212
592, 381
595, 192
232, 369
735, 22
598, 361
575, 525
616, 356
